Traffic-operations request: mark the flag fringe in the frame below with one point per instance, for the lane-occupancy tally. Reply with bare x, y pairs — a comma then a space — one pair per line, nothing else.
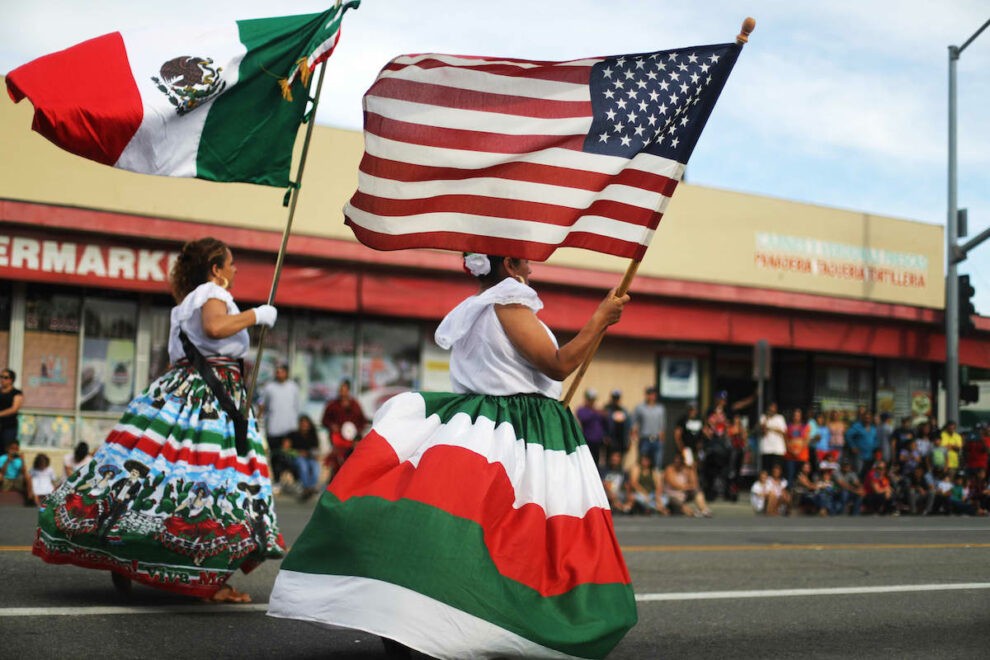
302, 69
286, 89
304, 72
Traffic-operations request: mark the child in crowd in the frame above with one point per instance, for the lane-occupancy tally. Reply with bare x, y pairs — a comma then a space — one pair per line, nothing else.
42, 480
959, 502
758, 493
940, 454
943, 492
77, 460
778, 495
827, 497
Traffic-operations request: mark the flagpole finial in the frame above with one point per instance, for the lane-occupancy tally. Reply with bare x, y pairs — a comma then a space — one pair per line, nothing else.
747, 28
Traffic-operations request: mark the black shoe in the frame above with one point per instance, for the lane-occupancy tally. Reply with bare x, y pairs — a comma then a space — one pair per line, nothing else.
395, 650
121, 583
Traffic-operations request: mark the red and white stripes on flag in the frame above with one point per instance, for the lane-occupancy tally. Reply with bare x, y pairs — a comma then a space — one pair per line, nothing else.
515, 157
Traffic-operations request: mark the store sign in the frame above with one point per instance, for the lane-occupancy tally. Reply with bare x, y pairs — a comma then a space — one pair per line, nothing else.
840, 261
78, 262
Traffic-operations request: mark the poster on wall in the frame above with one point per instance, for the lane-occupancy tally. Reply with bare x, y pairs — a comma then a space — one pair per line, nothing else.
886, 400
678, 378
107, 381
50, 370
921, 404
51, 431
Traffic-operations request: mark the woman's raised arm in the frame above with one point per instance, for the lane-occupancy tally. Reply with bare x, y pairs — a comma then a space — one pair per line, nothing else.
530, 338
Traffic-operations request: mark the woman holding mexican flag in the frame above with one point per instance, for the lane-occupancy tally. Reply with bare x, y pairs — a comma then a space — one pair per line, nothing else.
473, 523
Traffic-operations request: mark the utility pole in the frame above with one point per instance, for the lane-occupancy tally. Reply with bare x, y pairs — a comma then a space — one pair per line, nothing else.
953, 253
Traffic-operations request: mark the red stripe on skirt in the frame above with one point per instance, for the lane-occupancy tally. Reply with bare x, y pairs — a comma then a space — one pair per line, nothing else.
188, 455
551, 555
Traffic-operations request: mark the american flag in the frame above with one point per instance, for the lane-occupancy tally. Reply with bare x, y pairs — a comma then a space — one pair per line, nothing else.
516, 157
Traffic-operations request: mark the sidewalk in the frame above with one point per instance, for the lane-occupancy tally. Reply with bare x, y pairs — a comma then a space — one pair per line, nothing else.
740, 509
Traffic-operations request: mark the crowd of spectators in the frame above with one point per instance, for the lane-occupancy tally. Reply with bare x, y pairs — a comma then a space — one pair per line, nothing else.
297, 464
821, 463
639, 477
831, 465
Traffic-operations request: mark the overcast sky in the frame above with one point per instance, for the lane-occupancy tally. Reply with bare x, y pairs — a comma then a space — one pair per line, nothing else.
840, 103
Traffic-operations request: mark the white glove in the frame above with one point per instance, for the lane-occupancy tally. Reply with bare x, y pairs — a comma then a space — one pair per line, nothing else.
265, 315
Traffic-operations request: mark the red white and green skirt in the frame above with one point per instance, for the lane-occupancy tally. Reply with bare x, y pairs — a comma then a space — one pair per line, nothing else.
167, 501
466, 526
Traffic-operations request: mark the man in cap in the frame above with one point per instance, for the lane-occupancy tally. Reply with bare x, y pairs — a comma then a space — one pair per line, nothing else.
649, 424
592, 423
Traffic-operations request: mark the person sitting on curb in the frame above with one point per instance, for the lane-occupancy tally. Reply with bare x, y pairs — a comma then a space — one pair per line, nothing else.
681, 487
616, 485
647, 486
13, 473
778, 496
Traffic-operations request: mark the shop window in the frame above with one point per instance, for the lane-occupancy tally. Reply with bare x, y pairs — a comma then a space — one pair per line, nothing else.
389, 362
324, 356
158, 323
842, 384
903, 389
108, 356
791, 382
51, 350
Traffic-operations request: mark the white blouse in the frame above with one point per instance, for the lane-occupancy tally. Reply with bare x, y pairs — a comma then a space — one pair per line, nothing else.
483, 360
189, 316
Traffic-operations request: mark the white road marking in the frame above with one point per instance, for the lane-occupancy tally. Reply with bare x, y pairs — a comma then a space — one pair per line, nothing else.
832, 591
642, 598
693, 527
205, 608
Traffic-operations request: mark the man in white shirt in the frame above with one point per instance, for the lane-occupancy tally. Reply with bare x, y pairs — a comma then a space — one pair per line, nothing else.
280, 406
773, 438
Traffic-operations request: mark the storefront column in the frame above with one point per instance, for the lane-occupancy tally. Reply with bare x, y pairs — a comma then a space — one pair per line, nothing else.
15, 350
142, 345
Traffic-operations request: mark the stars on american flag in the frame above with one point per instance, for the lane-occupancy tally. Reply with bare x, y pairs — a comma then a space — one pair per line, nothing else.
648, 102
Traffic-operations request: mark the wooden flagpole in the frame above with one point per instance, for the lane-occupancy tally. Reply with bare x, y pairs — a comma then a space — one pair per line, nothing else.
742, 38
620, 291
285, 235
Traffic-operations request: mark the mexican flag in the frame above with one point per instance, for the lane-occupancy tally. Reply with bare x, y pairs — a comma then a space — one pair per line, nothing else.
208, 102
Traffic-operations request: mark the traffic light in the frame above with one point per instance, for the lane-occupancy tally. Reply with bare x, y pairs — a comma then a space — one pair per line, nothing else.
966, 307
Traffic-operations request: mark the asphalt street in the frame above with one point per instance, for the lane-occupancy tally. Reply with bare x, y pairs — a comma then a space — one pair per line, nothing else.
734, 586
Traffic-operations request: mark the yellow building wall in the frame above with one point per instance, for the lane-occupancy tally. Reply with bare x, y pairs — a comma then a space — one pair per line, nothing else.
629, 366
707, 235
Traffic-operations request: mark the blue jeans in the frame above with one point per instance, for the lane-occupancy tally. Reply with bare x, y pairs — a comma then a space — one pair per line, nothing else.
309, 471
652, 448
846, 498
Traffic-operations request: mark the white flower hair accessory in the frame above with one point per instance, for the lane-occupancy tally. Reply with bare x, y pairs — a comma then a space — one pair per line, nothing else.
477, 264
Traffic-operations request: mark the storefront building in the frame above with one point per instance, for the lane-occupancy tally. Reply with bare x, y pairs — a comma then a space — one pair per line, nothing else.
849, 304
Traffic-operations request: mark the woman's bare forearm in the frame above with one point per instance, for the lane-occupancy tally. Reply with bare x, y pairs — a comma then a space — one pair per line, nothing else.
530, 338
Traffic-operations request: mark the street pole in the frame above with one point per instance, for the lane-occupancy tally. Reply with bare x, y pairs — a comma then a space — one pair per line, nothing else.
951, 279
951, 248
